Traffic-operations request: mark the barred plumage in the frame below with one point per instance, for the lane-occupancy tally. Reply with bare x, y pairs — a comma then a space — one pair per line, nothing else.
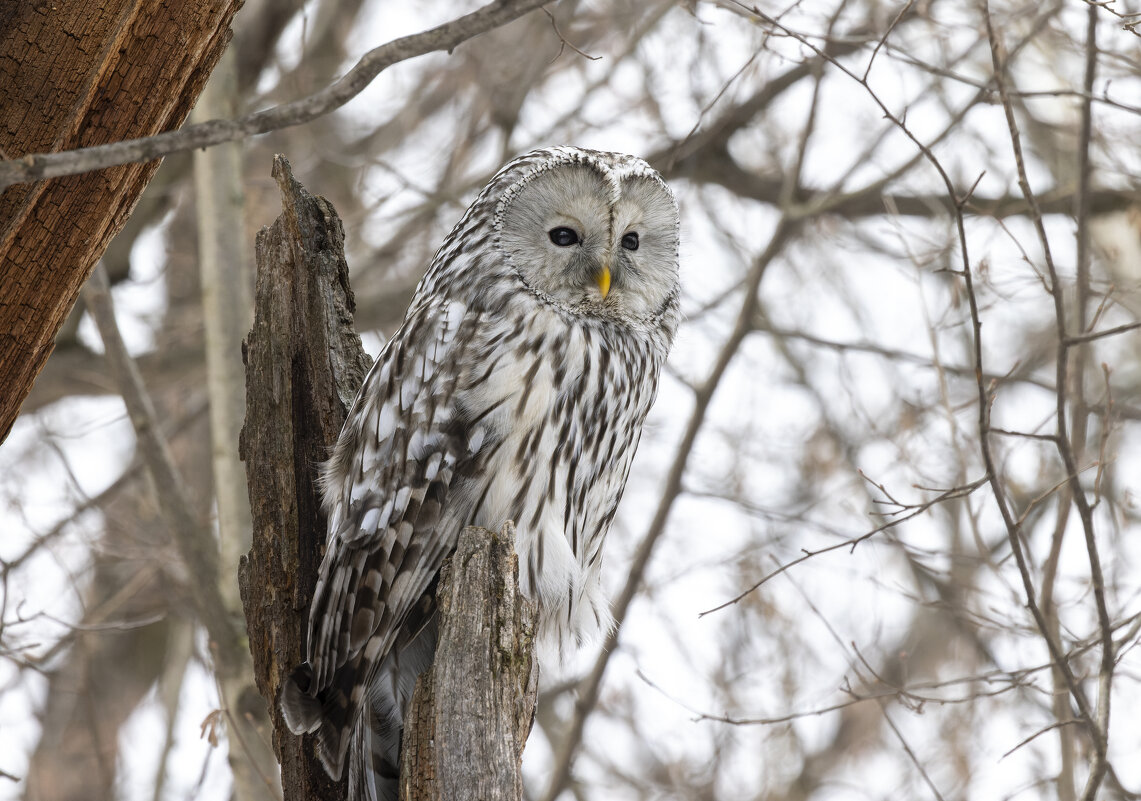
514, 390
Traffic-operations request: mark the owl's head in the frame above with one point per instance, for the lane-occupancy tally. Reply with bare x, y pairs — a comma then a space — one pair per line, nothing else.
596, 233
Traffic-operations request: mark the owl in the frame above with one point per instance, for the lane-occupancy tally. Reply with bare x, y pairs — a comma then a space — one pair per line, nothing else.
515, 389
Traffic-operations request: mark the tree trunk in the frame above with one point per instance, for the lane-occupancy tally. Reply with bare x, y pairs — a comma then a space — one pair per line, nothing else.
304, 364
74, 75
473, 709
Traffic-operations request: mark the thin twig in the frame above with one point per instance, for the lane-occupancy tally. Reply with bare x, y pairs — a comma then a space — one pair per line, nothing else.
1078, 339
566, 42
1025, 434
880, 701
850, 544
887, 33
1128, 22
1055, 725
907, 749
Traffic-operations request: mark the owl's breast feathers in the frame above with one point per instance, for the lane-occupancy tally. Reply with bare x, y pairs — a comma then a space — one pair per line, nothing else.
562, 410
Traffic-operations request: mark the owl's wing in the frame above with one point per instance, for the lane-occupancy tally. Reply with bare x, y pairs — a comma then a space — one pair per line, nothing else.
385, 490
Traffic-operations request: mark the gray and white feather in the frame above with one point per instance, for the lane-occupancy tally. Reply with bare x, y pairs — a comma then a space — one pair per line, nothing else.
515, 389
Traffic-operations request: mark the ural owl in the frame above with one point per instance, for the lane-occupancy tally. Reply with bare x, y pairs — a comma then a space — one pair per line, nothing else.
515, 389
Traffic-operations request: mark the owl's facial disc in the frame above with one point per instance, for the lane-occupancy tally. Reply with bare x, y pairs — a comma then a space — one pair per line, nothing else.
586, 237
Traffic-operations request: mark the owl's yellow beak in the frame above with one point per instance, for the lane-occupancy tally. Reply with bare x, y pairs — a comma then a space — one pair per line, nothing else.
603, 280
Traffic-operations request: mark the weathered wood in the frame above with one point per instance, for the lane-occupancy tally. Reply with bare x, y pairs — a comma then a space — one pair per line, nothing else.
473, 709
304, 364
74, 75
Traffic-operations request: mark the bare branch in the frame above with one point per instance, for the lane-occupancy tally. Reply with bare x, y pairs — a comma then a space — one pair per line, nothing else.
566, 42
1078, 339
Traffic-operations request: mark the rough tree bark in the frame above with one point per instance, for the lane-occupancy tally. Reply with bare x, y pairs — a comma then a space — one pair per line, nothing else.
473, 709
304, 366
74, 75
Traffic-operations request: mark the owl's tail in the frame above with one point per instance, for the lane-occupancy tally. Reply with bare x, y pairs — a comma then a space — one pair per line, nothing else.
374, 767
370, 729
374, 764
325, 713
302, 712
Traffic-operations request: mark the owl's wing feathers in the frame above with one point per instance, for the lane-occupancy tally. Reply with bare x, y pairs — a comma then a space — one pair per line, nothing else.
384, 499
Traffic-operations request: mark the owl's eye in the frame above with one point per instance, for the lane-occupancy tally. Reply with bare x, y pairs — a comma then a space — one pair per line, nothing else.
563, 237
630, 241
